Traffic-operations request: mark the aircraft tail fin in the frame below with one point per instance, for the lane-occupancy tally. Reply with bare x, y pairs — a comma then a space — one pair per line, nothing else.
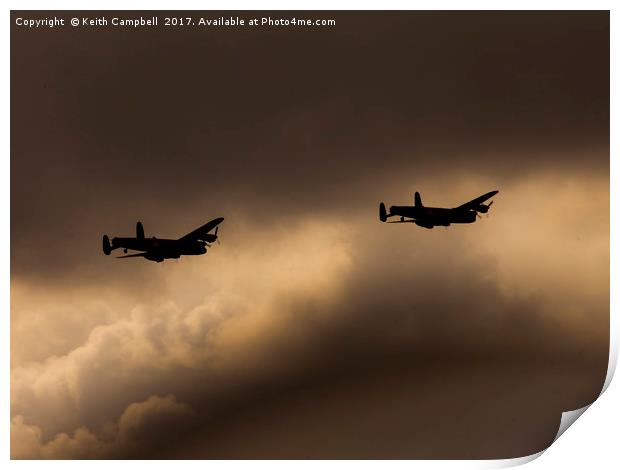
139, 231
382, 213
418, 199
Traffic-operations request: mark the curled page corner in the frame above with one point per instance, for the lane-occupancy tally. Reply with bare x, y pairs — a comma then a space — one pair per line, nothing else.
566, 421
514, 462
568, 418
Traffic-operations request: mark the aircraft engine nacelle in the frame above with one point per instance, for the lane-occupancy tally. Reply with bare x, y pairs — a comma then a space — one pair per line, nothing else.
198, 249
482, 208
156, 258
423, 224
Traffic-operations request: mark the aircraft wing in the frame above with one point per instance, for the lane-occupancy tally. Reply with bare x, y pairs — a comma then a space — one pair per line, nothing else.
202, 231
476, 202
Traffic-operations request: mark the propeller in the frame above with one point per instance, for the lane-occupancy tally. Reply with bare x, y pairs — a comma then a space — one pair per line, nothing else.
215, 233
484, 209
488, 207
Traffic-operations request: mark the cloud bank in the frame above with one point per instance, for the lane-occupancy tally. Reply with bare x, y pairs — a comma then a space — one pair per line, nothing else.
313, 330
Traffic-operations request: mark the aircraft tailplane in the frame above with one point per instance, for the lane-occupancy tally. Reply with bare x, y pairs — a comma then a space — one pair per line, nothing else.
382, 213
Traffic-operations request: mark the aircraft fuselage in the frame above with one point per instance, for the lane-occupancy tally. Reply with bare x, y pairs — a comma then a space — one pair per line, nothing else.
164, 247
434, 215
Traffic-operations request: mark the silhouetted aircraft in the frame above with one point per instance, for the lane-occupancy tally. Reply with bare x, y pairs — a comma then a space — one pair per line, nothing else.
159, 249
429, 217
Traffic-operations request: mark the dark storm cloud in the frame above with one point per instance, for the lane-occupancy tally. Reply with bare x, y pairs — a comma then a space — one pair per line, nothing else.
108, 126
310, 313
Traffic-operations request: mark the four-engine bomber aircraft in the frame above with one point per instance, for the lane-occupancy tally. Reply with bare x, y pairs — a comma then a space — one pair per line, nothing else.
159, 249
197, 241
429, 217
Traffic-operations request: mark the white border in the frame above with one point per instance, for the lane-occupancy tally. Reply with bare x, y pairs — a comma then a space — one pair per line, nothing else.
593, 441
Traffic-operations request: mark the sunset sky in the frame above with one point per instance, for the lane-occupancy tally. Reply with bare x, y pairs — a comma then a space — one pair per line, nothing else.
313, 330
